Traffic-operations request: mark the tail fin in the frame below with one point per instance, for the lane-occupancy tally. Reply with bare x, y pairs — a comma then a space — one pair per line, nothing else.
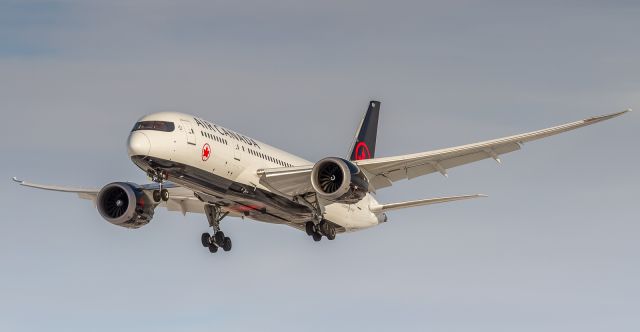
364, 144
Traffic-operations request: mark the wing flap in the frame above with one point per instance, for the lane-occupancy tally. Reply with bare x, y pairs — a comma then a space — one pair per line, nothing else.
288, 181
183, 204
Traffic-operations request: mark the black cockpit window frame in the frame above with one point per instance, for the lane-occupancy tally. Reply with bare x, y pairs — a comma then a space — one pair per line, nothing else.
165, 126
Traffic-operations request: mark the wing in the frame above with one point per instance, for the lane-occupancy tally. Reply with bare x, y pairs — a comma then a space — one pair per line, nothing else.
421, 202
180, 198
383, 172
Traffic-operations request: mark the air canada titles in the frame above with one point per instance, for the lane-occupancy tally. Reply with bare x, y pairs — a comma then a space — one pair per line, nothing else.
226, 132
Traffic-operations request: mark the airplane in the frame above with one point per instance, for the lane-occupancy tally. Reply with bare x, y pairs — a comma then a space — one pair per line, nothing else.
200, 167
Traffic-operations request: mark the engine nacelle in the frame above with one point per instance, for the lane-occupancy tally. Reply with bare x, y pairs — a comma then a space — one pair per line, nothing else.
125, 204
339, 180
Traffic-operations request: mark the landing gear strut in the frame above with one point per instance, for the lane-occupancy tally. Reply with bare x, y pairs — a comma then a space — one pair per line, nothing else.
323, 228
159, 176
218, 240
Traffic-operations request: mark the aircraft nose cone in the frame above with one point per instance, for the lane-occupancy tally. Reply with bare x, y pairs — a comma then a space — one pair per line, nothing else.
138, 144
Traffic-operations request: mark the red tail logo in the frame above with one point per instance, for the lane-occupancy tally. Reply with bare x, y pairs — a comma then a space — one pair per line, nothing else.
362, 151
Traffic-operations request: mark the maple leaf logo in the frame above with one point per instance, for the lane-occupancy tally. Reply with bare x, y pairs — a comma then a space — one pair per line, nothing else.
206, 152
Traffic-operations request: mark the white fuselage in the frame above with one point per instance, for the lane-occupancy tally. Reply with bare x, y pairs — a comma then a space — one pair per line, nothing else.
221, 167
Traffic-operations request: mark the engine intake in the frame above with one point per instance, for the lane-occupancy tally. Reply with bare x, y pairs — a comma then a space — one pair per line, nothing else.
125, 204
339, 180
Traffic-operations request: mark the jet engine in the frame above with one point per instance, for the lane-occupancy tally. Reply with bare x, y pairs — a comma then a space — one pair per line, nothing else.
339, 180
125, 204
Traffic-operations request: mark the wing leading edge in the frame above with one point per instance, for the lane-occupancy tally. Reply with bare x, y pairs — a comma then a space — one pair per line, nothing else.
420, 202
180, 198
384, 171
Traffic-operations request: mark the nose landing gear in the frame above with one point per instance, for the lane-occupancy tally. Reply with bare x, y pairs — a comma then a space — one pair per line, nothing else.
218, 240
159, 176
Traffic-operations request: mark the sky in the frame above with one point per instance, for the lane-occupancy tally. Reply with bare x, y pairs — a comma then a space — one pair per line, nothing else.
553, 248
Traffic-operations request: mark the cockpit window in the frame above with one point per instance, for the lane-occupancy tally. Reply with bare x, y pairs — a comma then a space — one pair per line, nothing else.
154, 125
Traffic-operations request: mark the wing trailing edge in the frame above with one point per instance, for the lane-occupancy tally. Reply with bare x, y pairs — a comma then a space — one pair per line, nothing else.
384, 171
428, 201
57, 188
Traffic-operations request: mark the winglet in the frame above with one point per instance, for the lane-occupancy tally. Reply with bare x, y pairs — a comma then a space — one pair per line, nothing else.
15, 179
606, 117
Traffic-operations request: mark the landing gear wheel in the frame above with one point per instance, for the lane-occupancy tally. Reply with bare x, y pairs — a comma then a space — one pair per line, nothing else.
164, 194
308, 227
226, 244
331, 234
213, 248
214, 216
206, 239
317, 237
157, 196
324, 227
219, 238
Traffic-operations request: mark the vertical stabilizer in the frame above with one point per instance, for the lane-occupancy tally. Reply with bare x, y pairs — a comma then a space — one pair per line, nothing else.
364, 144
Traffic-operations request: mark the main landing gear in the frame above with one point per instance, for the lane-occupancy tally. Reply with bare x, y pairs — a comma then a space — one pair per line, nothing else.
218, 240
159, 176
323, 228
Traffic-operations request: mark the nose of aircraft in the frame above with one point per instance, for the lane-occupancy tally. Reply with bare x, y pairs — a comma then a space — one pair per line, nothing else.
138, 144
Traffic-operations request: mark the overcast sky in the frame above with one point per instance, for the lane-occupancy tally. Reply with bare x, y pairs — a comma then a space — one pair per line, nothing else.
554, 247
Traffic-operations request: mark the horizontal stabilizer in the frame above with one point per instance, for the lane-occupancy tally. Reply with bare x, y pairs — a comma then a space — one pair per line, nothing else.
420, 202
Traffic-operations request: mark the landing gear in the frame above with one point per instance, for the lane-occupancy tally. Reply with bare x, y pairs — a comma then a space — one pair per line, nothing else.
156, 196
219, 237
317, 237
218, 240
226, 244
206, 239
331, 233
160, 195
309, 227
323, 228
159, 176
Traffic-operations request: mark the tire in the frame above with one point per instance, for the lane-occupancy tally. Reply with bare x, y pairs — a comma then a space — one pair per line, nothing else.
331, 234
213, 248
156, 196
164, 194
206, 239
324, 227
218, 238
226, 244
308, 227
317, 237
